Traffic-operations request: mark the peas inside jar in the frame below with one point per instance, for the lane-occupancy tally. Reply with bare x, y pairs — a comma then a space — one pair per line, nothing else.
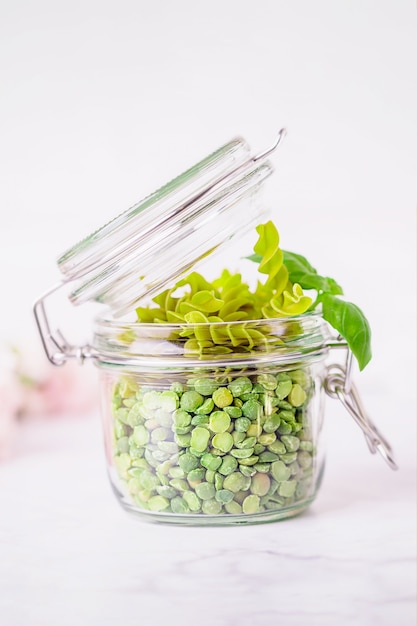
252, 451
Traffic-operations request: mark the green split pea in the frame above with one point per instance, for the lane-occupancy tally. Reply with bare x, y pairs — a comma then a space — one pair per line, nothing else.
226, 445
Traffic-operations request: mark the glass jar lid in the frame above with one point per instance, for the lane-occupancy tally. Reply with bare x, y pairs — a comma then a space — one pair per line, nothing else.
165, 234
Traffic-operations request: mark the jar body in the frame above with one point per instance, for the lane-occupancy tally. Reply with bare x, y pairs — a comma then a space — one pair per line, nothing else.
227, 441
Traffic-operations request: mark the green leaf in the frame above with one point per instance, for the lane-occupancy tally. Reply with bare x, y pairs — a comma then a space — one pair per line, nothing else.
297, 263
321, 284
301, 272
344, 317
256, 258
351, 323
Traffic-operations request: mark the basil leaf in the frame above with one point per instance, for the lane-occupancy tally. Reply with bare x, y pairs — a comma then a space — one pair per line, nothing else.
300, 271
319, 283
297, 263
351, 323
256, 258
345, 317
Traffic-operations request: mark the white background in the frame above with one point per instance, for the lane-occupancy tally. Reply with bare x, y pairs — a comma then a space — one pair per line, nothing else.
101, 102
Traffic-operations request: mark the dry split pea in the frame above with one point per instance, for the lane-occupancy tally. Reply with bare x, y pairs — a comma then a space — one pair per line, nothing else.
212, 446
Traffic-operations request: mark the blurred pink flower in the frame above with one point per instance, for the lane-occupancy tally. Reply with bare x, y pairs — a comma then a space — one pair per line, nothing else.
32, 387
68, 389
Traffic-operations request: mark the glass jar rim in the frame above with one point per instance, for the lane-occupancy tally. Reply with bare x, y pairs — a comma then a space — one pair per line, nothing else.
148, 345
107, 318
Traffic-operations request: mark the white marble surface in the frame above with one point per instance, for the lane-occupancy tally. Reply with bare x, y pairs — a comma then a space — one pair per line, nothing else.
70, 555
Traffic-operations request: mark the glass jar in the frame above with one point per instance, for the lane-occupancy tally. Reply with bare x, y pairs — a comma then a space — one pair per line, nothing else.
213, 438
206, 423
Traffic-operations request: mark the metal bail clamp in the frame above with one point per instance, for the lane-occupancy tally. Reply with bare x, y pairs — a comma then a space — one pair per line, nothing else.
57, 348
338, 384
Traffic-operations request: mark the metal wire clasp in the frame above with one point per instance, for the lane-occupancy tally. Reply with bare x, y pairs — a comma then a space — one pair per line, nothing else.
272, 147
57, 348
338, 384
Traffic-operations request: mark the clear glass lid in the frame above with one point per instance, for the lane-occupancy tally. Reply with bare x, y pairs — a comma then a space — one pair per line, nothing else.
166, 233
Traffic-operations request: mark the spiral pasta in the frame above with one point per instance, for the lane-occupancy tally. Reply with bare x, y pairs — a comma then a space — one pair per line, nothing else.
214, 317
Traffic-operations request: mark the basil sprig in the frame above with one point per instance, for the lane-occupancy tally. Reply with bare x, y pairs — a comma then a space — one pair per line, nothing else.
345, 317
300, 271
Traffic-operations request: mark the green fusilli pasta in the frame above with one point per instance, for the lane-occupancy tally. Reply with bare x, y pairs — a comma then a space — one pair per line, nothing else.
208, 312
